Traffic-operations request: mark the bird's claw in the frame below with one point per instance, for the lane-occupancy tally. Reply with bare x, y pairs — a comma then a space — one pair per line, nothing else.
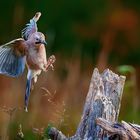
52, 59
50, 62
26, 109
52, 67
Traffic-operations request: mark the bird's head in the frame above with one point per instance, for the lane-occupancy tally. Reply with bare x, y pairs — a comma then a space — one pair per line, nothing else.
37, 39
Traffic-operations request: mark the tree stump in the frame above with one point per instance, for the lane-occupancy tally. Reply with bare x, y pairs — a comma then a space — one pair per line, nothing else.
101, 111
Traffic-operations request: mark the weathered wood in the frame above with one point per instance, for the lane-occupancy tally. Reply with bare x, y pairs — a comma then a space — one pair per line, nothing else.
123, 130
103, 100
54, 134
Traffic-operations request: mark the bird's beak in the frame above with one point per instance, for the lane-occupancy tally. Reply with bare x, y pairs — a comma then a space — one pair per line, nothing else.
44, 42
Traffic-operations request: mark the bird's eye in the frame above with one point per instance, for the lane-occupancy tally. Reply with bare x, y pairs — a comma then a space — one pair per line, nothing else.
37, 41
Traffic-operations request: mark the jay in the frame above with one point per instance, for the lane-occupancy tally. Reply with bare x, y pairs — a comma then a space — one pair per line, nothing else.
30, 51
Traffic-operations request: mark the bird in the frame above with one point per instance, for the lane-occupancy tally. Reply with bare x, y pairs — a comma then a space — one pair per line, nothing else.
30, 51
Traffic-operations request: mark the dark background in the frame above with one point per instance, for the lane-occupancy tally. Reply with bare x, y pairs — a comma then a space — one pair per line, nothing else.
83, 34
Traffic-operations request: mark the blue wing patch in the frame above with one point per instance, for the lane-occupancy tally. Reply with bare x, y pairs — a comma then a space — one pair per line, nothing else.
10, 64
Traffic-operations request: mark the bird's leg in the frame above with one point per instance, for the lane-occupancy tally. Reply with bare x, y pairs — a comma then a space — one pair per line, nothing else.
50, 62
32, 85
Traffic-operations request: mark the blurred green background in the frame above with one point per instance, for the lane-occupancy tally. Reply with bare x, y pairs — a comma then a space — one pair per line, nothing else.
83, 34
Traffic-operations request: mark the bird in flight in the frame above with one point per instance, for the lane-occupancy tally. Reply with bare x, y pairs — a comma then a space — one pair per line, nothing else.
29, 50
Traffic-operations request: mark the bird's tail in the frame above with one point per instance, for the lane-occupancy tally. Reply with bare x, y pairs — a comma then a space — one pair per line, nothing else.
28, 89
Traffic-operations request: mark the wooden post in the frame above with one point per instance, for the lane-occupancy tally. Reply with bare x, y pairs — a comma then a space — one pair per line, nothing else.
103, 101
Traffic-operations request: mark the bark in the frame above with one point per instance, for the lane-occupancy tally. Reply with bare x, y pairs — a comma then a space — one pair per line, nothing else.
122, 131
101, 110
103, 100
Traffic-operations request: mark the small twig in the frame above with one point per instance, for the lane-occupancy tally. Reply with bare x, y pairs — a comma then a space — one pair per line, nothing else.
39, 132
59, 113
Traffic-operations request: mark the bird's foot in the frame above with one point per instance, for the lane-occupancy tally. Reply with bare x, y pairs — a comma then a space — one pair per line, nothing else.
50, 62
26, 109
52, 59
52, 67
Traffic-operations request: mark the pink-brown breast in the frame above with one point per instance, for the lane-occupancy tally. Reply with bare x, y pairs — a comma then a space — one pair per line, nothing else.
36, 57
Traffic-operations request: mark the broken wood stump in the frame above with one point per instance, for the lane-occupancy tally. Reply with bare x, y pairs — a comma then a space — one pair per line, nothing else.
120, 131
101, 109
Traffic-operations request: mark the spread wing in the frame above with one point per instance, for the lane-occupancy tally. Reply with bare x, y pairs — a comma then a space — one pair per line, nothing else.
12, 58
31, 27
